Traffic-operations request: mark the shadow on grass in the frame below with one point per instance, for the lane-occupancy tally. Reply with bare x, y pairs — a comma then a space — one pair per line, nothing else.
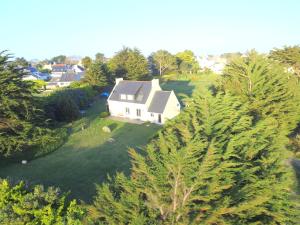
182, 88
92, 166
85, 160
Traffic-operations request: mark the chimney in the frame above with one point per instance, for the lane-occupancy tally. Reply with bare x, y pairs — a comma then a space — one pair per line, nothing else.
118, 80
155, 83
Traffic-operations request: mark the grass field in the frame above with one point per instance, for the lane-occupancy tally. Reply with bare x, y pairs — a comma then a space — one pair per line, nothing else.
88, 157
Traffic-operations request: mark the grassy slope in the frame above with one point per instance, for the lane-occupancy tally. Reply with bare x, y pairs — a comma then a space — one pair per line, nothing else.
88, 157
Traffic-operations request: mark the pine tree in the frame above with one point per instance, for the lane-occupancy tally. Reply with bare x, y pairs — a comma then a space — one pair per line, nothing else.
129, 64
97, 74
215, 164
289, 56
268, 88
18, 112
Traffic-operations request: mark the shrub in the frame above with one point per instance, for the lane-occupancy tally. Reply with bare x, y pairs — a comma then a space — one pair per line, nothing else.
51, 141
64, 105
66, 109
20, 204
104, 114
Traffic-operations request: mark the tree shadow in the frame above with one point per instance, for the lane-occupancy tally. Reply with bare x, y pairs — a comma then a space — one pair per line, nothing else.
296, 166
97, 163
113, 126
182, 88
78, 167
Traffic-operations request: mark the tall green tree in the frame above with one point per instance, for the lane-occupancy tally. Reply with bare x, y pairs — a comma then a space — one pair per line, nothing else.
164, 61
86, 62
59, 59
267, 86
22, 62
289, 56
215, 164
130, 64
97, 74
187, 62
22, 205
18, 111
100, 57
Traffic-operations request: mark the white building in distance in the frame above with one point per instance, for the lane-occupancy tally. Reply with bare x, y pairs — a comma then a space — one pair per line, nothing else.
214, 63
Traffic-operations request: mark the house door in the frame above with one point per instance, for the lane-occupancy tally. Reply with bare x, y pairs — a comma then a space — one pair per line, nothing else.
159, 118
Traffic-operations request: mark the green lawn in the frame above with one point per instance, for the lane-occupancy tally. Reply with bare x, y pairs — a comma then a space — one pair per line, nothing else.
88, 157
185, 85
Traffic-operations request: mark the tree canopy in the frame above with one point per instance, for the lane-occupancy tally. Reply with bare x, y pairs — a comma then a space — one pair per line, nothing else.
86, 62
59, 59
22, 62
266, 85
18, 112
289, 56
22, 205
97, 74
100, 57
187, 62
130, 64
164, 61
213, 165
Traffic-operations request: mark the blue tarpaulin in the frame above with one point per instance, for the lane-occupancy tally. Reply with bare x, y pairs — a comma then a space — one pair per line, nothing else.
104, 94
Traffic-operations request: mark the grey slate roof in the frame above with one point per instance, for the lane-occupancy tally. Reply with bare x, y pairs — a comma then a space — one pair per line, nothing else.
159, 101
69, 77
140, 90
60, 68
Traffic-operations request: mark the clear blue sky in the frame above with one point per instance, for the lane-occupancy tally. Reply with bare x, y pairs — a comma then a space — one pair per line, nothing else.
42, 29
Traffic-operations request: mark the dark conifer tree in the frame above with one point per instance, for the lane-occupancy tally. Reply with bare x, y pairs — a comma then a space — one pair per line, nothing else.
215, 164
18, 112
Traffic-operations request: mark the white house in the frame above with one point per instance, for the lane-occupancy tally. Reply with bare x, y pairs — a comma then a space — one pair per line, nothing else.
77, 69
142, 100
64, 80
214, 63
29, 77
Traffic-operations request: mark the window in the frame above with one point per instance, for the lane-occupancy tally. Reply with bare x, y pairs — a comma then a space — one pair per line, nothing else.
129, 97
123, 97
138, 112
127, 110
152, 115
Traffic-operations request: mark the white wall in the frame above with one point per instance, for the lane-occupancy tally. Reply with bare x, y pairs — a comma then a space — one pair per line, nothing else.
172, 108
118, 109
29, 77
63, 84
